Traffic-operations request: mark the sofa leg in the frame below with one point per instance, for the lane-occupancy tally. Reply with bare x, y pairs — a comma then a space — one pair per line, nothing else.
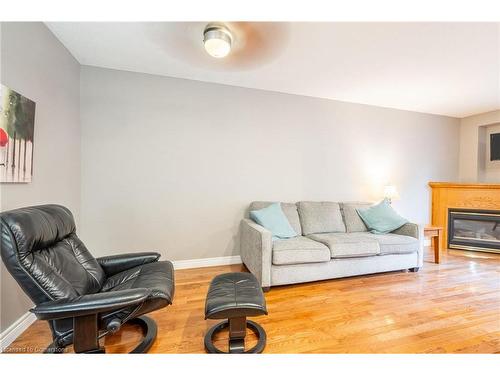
414, 269
266, 289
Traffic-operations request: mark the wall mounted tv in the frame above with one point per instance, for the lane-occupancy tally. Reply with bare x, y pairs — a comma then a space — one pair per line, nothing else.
495, 146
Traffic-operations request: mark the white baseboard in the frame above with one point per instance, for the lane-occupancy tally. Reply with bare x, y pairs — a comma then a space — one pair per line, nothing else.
14, 331
206, 262
20, 325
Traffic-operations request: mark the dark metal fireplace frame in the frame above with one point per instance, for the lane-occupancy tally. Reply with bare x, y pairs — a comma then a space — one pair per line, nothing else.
461, 213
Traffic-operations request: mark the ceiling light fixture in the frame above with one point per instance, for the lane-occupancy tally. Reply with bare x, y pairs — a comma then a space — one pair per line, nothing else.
217, 40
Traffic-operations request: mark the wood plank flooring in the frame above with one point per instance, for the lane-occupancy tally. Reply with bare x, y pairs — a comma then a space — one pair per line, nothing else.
453, 307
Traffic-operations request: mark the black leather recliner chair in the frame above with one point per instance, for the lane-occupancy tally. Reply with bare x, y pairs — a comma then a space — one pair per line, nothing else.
81, 297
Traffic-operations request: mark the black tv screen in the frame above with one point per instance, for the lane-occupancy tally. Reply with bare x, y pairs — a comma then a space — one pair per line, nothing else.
495, 146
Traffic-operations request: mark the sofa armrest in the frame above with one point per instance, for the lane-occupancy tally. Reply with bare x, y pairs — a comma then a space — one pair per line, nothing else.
409, 229
256, 250
416, 231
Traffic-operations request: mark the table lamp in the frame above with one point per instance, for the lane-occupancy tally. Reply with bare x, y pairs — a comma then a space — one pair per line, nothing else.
390, 193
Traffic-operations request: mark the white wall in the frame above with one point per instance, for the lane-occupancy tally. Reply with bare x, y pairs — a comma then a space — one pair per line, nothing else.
473, 147
171, 164
34, 63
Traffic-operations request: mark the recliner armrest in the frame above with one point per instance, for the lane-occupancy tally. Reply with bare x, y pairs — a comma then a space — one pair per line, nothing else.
117, 263
90, 304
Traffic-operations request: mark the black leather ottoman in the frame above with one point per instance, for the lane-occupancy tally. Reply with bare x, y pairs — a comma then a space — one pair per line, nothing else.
234, 296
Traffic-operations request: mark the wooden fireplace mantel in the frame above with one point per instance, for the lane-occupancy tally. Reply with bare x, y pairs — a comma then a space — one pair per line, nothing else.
447, 195
457, 185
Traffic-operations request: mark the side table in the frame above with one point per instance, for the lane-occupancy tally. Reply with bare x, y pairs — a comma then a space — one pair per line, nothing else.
436, 234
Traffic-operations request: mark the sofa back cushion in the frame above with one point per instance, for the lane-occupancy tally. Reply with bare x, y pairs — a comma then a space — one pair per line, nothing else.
352, 220
289, 209
320, 217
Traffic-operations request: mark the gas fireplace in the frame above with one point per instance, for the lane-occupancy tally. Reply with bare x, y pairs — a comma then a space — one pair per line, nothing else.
475, 230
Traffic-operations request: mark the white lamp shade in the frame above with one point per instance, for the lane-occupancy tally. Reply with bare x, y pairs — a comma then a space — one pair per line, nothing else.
390, 192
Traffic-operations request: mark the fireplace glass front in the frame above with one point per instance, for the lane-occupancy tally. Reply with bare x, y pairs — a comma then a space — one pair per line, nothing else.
476, 230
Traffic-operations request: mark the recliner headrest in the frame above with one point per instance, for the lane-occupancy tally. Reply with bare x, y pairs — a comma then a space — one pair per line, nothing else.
42, 226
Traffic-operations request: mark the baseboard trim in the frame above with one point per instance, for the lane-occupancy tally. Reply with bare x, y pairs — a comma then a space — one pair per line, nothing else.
8, 336
19, 326
206, 262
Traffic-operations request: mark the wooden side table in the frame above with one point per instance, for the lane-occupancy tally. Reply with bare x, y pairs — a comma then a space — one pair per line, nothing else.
436, 236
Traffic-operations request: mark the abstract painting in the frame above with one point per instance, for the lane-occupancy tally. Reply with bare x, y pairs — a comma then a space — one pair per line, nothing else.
17, 124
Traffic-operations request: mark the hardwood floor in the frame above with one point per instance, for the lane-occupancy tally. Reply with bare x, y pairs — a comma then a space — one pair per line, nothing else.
452, 307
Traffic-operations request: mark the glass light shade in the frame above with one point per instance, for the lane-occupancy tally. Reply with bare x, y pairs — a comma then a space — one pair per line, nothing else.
390, 192
217, 41
217, 47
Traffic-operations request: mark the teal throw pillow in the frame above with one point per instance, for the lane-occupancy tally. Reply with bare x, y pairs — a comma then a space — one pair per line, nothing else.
273, 219
381, 218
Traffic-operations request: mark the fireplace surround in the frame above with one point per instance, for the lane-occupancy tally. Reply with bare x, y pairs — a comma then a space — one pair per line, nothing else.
474, 230
464, 196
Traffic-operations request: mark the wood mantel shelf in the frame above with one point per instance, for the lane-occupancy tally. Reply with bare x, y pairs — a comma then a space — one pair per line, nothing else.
446, 195
458, 185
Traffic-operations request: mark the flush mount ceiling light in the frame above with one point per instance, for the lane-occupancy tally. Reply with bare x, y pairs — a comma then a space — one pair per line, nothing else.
217, 40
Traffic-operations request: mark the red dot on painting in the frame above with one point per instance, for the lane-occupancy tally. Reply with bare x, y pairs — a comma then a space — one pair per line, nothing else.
4, 138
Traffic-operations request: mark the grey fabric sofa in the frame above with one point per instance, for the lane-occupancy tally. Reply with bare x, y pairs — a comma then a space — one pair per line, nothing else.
333, 242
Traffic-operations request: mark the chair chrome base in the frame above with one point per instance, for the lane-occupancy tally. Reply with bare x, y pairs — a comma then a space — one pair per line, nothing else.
149, 331
236, 344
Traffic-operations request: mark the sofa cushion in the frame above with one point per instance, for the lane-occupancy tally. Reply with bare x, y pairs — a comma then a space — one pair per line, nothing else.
320, 217
395, 243
348, 245
352, 220
289, 209
299, 250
